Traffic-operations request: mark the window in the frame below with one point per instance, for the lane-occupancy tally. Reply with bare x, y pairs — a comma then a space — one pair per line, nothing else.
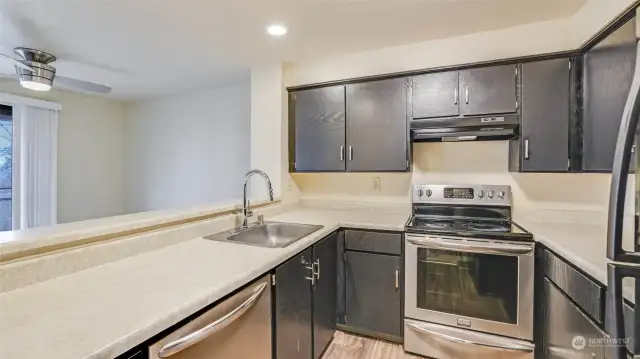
6, 149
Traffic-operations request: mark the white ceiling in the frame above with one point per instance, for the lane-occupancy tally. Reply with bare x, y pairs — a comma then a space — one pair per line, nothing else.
147, 48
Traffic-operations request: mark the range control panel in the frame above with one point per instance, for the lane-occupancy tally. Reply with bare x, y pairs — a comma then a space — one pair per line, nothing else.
462, 194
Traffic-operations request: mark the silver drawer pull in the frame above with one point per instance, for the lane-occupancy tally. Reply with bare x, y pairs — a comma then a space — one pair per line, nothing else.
197, 336
512, 347
341, 153
466, 94
455, 96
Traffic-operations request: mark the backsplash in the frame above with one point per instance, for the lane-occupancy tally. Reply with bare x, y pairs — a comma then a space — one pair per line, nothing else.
537, 197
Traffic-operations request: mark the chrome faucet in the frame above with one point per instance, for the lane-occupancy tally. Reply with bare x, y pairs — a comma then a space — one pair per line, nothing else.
246, 205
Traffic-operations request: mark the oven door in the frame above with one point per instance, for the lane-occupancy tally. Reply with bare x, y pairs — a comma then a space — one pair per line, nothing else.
482, 285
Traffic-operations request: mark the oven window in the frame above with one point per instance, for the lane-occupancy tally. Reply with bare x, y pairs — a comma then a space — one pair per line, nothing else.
483, 286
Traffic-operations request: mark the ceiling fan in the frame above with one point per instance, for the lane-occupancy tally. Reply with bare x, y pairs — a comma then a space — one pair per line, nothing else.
35, 73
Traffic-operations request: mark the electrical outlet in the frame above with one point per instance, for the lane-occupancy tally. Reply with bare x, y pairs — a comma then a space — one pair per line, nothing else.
377, 185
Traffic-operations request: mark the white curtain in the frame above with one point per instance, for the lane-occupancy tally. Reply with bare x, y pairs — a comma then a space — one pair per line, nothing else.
35, 143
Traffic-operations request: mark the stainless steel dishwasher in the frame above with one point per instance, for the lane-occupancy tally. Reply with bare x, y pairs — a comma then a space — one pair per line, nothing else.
239, 327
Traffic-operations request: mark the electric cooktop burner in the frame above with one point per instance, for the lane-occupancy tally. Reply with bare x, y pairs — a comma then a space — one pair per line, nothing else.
464, 211
490, 227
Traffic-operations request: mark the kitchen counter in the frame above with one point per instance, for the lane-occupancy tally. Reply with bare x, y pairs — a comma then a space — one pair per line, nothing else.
583, 245
106, 310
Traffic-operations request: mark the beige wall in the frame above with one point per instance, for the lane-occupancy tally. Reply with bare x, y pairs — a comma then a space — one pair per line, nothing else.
90, 152
537, 197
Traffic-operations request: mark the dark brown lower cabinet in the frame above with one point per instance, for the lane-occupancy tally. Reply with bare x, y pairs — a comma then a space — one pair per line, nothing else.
306, 301
373, 294
325, 293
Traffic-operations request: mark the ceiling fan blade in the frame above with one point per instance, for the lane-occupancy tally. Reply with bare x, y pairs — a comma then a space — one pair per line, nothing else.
18, 63
79, 85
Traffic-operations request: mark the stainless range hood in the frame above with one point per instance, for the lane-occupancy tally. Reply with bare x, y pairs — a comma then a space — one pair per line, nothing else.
481, 128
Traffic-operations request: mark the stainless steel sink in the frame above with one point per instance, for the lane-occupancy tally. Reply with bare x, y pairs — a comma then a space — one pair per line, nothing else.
269, 234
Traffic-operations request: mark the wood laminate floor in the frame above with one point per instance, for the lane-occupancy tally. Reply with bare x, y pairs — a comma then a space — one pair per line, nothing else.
347, 346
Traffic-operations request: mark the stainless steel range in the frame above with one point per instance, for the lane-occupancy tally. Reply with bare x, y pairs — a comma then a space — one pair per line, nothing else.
469, 272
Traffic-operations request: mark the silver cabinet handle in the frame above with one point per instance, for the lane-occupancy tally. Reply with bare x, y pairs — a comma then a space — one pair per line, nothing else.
312, 279
317, 265
466, 94
341, 153
455, 96
350, 153
526, 149
511, 347
457, 245
397, 280
197, 336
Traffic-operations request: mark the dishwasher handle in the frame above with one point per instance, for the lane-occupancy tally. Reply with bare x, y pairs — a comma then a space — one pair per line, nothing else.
197, 336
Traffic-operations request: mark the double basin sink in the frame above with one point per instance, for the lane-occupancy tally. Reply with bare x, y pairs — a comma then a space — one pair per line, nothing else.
268, 234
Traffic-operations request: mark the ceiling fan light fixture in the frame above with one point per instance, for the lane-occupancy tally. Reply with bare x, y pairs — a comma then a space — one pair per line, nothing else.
40, 78
35, 85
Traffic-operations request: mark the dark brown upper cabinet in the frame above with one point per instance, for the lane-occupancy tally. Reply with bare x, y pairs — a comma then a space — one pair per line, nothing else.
436, 95
319, 129
543, 145
358, 127
377, 126
488, 90
473, 92
607, 74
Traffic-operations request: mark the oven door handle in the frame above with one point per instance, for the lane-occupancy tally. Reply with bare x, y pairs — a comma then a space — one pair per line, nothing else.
461, 246
511, 347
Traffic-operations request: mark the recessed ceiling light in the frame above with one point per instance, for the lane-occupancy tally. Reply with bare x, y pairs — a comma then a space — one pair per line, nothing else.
276, 30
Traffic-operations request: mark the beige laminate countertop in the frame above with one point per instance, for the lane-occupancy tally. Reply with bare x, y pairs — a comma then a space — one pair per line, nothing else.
584, 245
105, 311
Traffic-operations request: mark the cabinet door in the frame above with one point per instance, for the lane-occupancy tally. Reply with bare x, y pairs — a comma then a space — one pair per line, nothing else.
377, 134
319, 129
488, 90
544, 129
293, 308
435, 95
373, 293
325, 293
563, 322
607, 74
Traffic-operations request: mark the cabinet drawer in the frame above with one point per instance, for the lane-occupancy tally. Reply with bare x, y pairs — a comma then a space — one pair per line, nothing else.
378, 242
588, 294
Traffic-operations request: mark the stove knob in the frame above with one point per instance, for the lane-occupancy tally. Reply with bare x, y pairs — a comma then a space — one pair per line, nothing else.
501, 194
429, 193
480, 194
490, 194
420, 193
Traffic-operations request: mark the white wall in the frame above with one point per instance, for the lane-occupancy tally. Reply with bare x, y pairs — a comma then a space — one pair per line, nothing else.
90, 153
187, 149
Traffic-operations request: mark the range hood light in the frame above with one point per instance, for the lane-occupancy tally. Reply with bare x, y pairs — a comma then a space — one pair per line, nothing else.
459, 138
